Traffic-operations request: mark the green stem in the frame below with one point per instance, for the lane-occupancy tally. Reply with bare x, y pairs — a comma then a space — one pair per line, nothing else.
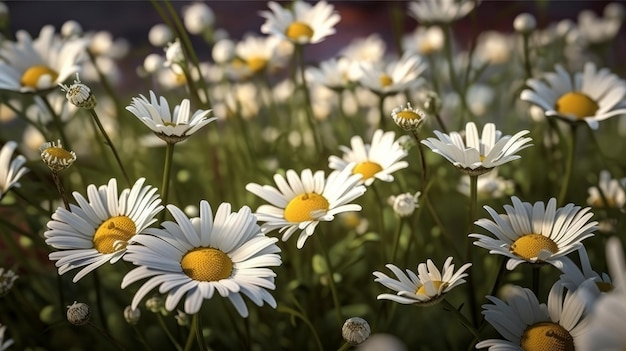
303, 317
109, 143
420, 148
396, 241
58, 123
461, 318
167, 332
381, 221
535, 276
167, 171
441, 227
344, 347
468, 245
106, 84
59, 185
381, 109
99, 304
526, 53
307, 98
142, 339
569, 163
331, 279
107, 336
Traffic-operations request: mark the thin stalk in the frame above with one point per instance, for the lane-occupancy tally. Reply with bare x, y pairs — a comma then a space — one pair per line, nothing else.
303, 317
381, 109
461, 318
59, 185
109, 143
167, 172
569, 163
344, 347
167, 332
99, 305
307, 98
396, 241
440, 121
142, 338
331, 280
451, 71
422, 157
192, 332
105, 83
468, 245
441, 227
108, 336
58, 123
526, 53
381, 221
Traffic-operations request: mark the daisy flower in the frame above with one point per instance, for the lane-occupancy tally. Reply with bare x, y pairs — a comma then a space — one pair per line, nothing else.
99, 229
440, 11
528, 325
10, 170
31, 65
302, 201
227, 254
608, 193
476, 155
373, 161
574, 277
171, 127
256, 55
394, 76
589, 96
408, 118
303, 24
426, 287
333, 73
489, 186
535, 233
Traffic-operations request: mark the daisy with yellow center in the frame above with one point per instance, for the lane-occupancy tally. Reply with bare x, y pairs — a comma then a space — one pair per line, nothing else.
303, 23
528, 325
31, 65
535, 233
256, 55
372, 161
300, 202
11, 170
476, 155
609, 192
589, 96
408, 118
426, 287
55, 156
174, 126
393, 76
99, 228
198, 257
584, 276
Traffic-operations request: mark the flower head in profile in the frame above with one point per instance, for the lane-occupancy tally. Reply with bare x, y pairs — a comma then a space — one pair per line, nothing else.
590, 96
99, 228
11, 170
303, 23
55, 156
476, 155
79, 94
393, 76
255, 55
372, 161
226, 254
408, 118
31, 65
440, 11
609, 192
426, 287
528, 325
302, 201
535, 233
170, 126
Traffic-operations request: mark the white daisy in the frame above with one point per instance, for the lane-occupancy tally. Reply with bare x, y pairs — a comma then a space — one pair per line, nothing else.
477, 155
10, 170
373, 161
426, 287
333, 73
608, 193
303, 23
32, 65
100, 227
589, 96
171, 127
440, 11
227, 254
302, 201
393, 76
256, 55
535, 233
573, 277
489, 186
528, 325
424, 40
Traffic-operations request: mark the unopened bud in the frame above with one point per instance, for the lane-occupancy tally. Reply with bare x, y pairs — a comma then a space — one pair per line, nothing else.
78, 313
355, 330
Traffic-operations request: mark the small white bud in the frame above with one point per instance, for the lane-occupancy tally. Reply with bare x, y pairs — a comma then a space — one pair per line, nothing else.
71, 29
525, 23
132, 315
198, 18
355, 330
160, 34
78, 313
223, 51
404, 204
79, 94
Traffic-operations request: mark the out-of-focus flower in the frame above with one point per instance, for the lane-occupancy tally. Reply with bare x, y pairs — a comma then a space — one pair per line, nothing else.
524, 23
424, 40
394, 76
404, 204
132, 315
440, 11
589, 96
160, 35
71, 29
333, 73
427, 287
489, 186
535, 233
608, 193
256, 55
223, 51
198, 18
10, 170
303, 24
382, 341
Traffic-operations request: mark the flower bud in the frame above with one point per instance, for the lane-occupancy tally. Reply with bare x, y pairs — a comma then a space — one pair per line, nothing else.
78, 313
79, 94
355, 330
524, 23
160, 34
132, 315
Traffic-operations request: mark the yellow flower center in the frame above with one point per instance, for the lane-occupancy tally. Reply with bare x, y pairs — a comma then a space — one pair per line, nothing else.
113, 230
482, 158
529, 246
31, 76
385, 80
577, 104
604, 287
546, 336
297, 30
407, 114
257, 64
300, 207
426, 47
59, 153
207, 264
367, 169
422, 289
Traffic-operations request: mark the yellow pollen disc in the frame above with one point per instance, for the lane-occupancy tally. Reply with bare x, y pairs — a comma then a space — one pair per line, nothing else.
406, 114
604, 287
257, 64
546, 336
482, 158
577, 104
385, 80
426, 47
120, 228
297, 30
59, 153
528, 246
31, 76
367, 169
207, 264
422, 289
300, 207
